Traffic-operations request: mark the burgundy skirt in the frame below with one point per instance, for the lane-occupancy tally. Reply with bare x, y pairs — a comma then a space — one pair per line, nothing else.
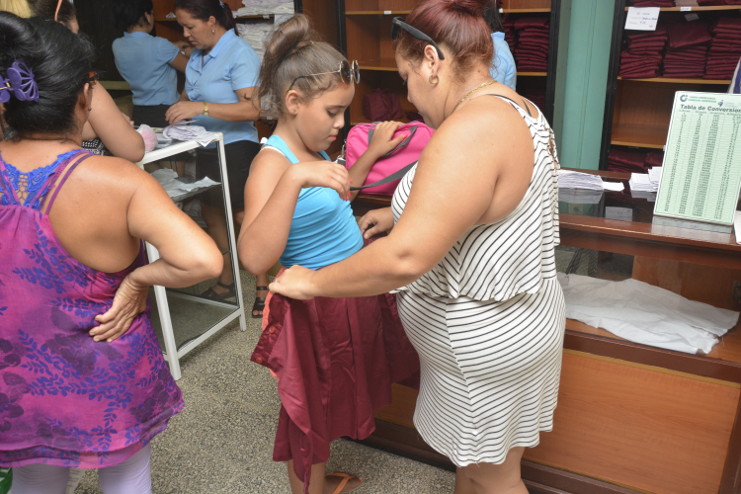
335, 359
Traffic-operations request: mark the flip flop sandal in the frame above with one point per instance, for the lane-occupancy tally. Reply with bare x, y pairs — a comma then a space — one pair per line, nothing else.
212, 294
259, 304
345, 479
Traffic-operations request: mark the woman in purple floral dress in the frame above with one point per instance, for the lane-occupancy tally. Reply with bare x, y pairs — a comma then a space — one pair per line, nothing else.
82, 379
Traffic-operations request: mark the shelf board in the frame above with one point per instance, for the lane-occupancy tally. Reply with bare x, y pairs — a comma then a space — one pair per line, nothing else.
698, 8
405, 12
642, 136
670, 80
532, 74
377, 12
526, 11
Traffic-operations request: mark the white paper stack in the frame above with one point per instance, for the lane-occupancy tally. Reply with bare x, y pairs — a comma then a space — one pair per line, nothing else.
568, 179
265, 7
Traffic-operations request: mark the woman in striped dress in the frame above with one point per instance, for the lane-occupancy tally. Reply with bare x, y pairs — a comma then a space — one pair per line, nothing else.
471, 251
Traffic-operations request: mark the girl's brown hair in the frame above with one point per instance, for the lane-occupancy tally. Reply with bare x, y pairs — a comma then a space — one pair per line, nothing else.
295, 51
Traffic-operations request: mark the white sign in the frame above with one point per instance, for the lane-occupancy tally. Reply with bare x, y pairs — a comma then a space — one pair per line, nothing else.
642, 18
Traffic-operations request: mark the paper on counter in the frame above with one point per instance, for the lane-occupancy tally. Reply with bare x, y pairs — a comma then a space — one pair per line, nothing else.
737, 226
568, 179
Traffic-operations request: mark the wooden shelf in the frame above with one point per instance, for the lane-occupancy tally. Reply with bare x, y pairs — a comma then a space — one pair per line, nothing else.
377, 12
532, 74
643, 136
699, 9
669, 80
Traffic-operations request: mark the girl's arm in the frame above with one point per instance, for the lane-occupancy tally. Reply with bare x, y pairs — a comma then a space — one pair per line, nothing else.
113, 127
381, 143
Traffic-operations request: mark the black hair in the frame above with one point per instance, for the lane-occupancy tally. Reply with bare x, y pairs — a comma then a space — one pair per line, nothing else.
48, 8
491, 14
128, 13
203, 9
293, 50
60, 62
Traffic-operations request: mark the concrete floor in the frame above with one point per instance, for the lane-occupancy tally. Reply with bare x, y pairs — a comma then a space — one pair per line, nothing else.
222, 442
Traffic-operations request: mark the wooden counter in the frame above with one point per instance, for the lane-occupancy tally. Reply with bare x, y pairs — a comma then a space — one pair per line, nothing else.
630, 417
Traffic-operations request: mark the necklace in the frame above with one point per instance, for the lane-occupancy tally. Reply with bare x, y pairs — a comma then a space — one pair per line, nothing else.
468, 95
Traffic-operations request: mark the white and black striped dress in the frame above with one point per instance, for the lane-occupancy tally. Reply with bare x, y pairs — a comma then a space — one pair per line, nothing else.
488, 324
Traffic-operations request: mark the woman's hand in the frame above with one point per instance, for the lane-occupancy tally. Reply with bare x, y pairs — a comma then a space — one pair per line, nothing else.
322, 174
130, 301
376, 222
183, 110
294, 283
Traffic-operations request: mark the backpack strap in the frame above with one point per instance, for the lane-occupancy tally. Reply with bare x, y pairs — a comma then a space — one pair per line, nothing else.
394, 176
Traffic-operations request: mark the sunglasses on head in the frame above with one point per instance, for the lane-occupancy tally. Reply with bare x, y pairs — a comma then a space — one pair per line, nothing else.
397, 24
348, 71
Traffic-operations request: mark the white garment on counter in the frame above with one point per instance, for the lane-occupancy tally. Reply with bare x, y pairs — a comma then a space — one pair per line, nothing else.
645, 313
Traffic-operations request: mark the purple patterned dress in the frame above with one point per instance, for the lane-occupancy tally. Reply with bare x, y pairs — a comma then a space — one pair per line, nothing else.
66, 400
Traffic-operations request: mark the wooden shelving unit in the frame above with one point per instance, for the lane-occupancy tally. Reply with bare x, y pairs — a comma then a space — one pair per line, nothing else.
637, 111
364, 34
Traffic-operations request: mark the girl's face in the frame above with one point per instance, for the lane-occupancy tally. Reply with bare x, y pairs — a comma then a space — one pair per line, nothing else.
199, 33
319, 120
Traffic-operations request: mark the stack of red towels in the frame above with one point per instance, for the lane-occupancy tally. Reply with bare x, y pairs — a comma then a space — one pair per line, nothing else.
632, 160
688, 47
528, 35
642, 55
725, 48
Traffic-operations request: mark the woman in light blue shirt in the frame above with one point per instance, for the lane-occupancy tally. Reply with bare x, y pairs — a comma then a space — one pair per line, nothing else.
147, 62
220, 80
503, 68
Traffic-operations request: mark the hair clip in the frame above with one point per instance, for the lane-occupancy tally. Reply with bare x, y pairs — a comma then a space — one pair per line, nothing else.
22, 81
4, 90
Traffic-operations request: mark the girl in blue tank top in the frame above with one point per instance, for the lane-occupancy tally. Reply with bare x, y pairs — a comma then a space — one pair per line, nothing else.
297, 210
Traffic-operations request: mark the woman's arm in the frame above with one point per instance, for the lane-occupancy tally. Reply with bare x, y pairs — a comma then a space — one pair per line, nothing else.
381, 143
113, 127
243, 110
187, 255
179, 62
270, 195
454, 185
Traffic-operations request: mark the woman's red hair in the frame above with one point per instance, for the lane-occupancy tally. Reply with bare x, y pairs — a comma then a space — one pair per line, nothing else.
458, 24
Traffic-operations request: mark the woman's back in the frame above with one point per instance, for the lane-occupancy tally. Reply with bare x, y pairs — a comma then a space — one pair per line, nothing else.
90, 213
50, 300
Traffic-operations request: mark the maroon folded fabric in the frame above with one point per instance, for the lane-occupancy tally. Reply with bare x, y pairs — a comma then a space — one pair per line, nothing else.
654, 158
683, 34
532, 21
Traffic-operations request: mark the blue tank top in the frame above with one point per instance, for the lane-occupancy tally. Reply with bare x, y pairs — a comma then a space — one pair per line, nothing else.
323, 229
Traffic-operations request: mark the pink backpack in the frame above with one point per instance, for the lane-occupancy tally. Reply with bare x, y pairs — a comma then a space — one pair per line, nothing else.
386, 173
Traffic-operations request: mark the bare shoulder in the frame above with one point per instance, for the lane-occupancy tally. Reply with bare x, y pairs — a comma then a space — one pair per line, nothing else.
114, 174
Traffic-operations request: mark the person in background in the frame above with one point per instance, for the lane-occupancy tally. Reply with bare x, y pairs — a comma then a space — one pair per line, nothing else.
735, 86
503, 68
220, 81
335, 359
471, 252
148, 63
108, 130
84, 380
